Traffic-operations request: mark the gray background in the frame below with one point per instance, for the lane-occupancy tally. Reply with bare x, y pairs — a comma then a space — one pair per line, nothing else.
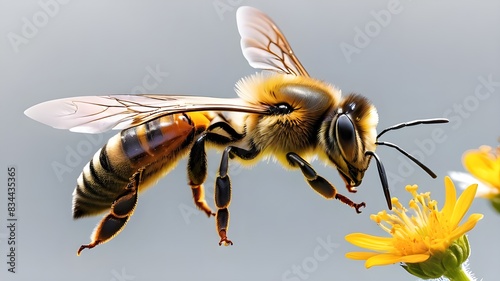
424, 63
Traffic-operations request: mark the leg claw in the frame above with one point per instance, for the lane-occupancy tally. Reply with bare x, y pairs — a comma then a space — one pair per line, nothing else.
209, 213
88, 246
223, 238
226, 242
358, 206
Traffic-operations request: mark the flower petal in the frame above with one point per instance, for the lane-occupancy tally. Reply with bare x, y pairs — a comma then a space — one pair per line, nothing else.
463, 205
486, 191
463, 180
376, 243
385, 259
360, 255
413, 240
483, 165
451, 196
464, 228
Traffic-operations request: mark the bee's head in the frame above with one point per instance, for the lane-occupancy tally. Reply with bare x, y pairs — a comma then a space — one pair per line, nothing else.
347, 134
349, 138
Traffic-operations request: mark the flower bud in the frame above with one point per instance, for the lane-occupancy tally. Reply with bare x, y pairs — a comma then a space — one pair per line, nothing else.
495, 202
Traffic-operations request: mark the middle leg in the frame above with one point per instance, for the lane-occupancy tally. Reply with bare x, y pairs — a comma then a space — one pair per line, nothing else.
197, 174
197, 161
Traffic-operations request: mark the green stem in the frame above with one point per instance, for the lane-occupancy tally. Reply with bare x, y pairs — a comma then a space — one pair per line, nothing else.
458, 275
495, 202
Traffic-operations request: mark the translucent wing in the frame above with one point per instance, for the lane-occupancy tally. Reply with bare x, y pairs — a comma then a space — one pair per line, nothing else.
96, 114
263, 44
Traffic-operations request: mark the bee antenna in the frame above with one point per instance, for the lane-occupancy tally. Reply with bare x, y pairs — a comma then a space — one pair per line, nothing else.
409, 124
383, 178
411, 157
413, 123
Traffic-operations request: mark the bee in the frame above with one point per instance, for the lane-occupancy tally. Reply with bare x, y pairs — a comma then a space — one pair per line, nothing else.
281, 113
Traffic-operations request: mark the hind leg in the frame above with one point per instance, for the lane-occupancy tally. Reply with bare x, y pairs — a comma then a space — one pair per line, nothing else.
121, 210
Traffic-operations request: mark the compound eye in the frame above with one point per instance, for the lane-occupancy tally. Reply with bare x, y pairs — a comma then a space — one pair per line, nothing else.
346, 136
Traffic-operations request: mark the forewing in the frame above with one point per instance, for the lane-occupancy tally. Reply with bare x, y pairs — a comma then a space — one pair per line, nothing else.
264, 45
96, 114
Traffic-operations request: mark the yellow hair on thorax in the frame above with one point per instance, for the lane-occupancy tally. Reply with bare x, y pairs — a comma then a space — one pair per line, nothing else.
262, 87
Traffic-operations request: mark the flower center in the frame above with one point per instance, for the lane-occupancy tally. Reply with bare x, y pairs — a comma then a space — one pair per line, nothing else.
424, 231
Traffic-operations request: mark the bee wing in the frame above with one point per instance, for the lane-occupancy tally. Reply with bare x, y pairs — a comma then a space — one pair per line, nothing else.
264, 45
96, 114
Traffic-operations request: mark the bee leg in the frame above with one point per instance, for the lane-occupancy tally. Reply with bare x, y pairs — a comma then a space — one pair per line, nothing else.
223, 189
197, 162
197, 174
121, 210
320, 184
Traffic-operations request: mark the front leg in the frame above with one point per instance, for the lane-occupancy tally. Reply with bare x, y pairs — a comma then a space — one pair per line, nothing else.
121, 210
223, 189
318, 183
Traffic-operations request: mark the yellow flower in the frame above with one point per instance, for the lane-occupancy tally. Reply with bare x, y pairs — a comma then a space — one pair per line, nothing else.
483, 164
425, 235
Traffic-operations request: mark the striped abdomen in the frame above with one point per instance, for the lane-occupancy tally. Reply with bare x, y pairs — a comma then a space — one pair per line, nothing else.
155, 146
